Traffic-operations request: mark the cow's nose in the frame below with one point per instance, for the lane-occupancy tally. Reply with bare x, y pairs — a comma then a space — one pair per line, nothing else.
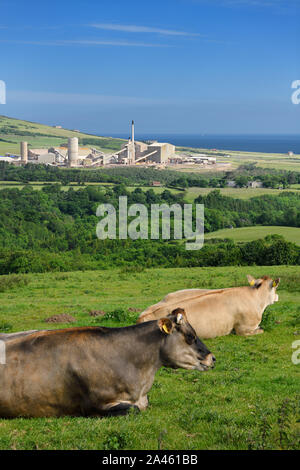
212, 360
209, 360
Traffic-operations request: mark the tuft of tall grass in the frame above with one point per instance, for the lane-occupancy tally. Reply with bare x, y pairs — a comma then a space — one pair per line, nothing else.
11, 281
5, 327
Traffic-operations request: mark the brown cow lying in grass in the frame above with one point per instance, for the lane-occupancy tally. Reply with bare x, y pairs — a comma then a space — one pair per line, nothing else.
94, 370
218, 312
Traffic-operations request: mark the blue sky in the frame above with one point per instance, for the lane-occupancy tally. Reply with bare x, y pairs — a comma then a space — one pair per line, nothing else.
175, 66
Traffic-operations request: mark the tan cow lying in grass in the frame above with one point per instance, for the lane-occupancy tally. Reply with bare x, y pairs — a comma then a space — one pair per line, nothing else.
218, 312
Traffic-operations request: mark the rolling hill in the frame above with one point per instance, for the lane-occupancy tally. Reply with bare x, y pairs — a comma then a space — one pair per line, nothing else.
13, 131
247, 234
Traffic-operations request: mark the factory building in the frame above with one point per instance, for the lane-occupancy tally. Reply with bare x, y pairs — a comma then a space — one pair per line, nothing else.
47, 158
134, 152
163, 152
71, 155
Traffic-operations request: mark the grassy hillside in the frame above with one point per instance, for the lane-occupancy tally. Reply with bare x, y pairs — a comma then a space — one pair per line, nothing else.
13, 131
250, 400
247, 234
266, 160
240, 193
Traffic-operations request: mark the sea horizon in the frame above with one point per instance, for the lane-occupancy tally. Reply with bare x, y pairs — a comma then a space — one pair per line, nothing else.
264, 143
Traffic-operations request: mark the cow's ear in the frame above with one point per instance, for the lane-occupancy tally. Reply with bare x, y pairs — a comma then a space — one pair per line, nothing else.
166, 325
275, 283
251, 280
180, 315
254, 282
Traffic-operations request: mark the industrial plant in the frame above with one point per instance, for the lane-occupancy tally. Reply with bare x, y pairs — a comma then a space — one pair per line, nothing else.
133, 152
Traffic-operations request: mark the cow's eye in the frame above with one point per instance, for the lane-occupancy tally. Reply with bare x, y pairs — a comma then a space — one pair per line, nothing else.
190, 338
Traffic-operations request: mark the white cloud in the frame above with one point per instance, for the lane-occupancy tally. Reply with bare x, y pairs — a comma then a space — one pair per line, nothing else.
89, 99
140, 29
43, 97
82, 42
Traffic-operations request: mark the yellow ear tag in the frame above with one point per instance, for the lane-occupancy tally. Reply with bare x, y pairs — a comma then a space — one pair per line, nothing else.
165, 328
274, 284
252, 282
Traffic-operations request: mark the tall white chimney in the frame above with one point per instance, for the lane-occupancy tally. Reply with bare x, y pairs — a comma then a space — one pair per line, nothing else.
132, 132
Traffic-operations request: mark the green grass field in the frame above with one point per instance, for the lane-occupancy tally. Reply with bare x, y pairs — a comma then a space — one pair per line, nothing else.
240, 193
190, 194
38, 185
278, 161
250, 400
247, 234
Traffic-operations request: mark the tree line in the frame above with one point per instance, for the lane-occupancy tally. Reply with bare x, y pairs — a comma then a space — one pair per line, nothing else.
54, 229
142, 176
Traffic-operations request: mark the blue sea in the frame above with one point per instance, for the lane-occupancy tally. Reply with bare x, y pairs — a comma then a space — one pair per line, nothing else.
246, 143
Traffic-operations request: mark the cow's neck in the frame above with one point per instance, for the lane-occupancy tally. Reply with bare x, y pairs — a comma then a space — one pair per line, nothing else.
143, 344
261, 301
146, 356
153, 339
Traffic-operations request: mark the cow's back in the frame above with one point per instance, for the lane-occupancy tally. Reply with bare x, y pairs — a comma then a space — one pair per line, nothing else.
169, 303
211, 312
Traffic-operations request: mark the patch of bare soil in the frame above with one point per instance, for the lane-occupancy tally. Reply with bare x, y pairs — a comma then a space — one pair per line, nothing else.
97, 313
63, 318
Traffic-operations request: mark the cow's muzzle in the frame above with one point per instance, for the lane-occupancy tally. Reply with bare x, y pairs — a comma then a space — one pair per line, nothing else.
208, 362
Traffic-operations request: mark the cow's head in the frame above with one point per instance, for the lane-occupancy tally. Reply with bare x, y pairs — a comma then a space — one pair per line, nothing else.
266, 286
182, 348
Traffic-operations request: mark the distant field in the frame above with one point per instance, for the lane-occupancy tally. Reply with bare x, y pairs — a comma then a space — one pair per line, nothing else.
156, 189
246, 234
277, 161
281, 165
190, 194
245, 402
38, 185
239, 193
